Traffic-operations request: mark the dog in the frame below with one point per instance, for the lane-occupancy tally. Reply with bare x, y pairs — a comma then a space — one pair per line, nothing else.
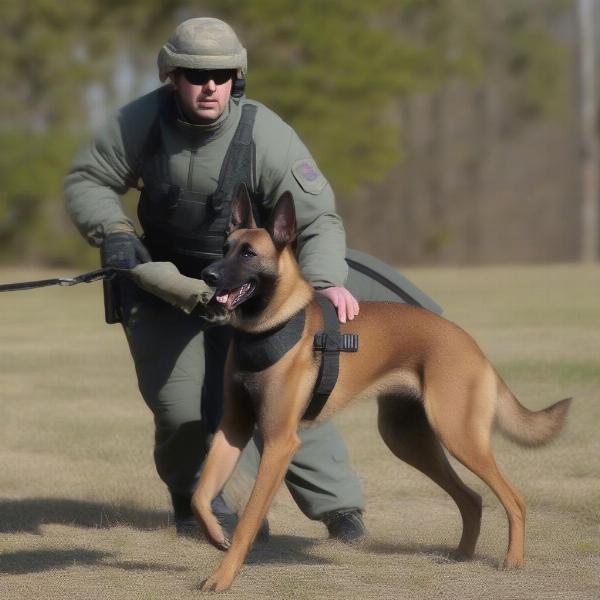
434, 386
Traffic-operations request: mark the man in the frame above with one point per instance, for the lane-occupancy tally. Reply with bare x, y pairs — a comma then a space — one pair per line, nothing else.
190, 142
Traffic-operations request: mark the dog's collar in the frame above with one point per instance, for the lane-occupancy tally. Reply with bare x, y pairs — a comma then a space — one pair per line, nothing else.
258, 351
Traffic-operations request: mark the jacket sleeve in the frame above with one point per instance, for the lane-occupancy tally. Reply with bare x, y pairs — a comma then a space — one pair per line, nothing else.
103, 171
288, 166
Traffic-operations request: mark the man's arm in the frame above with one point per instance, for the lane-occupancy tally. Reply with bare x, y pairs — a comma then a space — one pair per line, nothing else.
105, 169
321, 244
93, 187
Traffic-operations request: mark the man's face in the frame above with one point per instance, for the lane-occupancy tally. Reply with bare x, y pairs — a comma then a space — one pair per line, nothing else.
203, 94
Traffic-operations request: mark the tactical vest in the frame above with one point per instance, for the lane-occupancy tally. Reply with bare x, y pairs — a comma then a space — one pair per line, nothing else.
185, 227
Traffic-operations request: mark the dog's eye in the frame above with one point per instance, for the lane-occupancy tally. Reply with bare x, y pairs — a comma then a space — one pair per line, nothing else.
248, 253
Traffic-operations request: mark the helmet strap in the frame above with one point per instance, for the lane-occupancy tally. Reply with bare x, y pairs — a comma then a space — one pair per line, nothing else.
238, 87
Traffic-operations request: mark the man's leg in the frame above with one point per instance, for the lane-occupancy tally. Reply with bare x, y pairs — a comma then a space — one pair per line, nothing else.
321, 481
323, 484
216, 344
168, 351
320, 477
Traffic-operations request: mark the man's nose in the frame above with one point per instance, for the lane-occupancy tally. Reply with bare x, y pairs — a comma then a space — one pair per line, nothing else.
210, 86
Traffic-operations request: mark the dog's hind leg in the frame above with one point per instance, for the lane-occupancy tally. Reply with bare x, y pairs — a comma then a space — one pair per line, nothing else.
406, 431
464, 428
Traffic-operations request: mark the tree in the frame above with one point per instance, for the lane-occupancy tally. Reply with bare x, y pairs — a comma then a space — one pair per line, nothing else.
334, 69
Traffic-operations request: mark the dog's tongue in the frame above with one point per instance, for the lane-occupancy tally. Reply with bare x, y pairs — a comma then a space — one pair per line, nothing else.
222, 298
227, 298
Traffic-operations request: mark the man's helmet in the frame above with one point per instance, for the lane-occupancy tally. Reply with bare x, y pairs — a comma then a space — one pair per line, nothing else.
202, 43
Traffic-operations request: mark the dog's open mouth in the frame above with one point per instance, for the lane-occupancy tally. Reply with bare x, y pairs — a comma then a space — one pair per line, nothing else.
232, 298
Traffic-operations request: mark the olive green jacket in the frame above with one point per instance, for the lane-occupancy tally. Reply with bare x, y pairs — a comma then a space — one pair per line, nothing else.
111, 164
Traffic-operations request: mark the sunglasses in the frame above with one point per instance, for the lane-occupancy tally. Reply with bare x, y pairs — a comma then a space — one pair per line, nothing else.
203, 76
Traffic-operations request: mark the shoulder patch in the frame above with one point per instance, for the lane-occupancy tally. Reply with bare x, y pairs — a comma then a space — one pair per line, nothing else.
308, 176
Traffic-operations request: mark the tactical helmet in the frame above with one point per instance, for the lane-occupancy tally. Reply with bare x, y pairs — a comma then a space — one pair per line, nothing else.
202, 43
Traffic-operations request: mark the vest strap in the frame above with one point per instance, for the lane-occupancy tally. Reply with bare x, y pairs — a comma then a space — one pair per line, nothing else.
188, 228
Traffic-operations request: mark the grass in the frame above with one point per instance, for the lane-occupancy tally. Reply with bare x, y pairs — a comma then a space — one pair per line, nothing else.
83, 514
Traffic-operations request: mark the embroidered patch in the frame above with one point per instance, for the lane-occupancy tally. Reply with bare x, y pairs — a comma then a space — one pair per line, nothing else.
308, 176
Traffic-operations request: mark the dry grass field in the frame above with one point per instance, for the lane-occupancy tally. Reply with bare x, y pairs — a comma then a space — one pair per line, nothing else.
84, 516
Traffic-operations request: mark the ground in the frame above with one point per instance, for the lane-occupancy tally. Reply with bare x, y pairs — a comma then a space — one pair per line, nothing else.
83, 514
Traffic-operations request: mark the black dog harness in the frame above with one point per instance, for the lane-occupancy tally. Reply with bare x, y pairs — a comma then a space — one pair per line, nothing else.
330, 342
256, 352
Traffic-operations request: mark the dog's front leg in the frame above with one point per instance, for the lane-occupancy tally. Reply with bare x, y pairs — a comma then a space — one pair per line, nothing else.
233, 434
275, 459
218, 467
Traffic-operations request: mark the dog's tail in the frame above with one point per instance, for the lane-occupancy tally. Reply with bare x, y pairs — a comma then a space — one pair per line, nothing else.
526, 427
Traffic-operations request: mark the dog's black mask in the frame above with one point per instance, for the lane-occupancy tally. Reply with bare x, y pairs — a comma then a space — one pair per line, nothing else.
243, 278
235, 279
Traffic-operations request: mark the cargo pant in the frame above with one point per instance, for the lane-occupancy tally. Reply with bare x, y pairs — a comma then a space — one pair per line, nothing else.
179, 364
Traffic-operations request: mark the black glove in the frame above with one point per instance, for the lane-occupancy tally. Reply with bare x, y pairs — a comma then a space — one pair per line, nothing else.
123, 250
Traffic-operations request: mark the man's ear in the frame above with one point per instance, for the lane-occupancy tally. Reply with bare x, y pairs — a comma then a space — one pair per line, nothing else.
241, 210
282, 222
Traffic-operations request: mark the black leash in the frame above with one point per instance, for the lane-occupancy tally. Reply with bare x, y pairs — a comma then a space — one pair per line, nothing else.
62, 281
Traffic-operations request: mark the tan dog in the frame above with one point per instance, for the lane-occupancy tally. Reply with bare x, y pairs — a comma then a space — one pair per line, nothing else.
434, 387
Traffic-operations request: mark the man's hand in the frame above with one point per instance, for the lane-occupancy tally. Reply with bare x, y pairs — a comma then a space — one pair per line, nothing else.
123, 250
345, 303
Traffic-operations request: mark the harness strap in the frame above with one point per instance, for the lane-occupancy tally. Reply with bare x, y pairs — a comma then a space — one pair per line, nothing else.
330, 342
256, 352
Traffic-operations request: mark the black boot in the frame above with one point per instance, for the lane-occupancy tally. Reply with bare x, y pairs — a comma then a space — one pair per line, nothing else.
346, 525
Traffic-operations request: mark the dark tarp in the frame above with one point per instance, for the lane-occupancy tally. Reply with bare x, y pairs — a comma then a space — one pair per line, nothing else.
371, 279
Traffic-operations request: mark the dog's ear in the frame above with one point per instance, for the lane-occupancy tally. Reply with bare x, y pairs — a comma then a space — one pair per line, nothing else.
282, 222
241, 210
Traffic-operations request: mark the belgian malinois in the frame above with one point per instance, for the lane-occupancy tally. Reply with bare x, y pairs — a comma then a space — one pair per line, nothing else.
434, 387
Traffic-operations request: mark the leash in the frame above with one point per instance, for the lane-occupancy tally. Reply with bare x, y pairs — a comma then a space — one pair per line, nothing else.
62, 281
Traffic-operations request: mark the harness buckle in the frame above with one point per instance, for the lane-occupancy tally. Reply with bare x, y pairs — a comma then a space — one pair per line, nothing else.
333, 341
350, 342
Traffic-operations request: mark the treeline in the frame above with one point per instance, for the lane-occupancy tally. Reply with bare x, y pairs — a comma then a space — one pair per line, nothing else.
344, 73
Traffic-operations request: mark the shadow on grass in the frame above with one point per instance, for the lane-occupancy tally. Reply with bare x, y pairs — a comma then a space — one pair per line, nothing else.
285, 549
36, 561
438, 554
27, 514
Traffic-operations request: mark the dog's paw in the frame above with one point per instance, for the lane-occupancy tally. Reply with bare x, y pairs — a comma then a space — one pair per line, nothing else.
511, 563
215, 536
219, 581
459, 555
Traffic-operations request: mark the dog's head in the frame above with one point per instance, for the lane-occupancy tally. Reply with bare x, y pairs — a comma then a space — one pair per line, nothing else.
247, 276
